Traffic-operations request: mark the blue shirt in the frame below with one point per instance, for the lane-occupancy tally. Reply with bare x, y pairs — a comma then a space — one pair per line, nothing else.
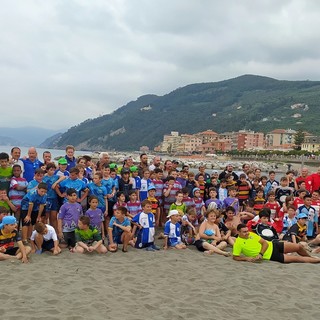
76, 184
147, 221
71, 162
116, 231
51, 194
173, 232
312, 218
35, 198
100, 192
30, 167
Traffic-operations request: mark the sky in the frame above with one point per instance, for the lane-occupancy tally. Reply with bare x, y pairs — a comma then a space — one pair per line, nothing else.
65, 61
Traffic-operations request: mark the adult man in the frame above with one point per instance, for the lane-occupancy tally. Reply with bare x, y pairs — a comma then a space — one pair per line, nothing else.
228, 169
46, 157
253, 248
303, 176
313, 181
31, 164
103, 159
15, 157
156, 163
143, 164
205, 174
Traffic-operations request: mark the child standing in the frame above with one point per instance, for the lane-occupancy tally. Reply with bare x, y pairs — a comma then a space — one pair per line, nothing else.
172, 231
259, 201
18, 188
95, 215
145, 183
231, 200
68, 218
121, 201
178, 204
133, 205
145, 221
198, 204
213, 198
32, 208
155, 203
5, 172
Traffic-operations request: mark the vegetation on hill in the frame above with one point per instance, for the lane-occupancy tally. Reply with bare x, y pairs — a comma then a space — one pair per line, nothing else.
247, 102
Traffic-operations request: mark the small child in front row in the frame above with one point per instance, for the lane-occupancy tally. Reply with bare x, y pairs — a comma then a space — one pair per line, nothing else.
119, 231
95, 215
88, 239
68, 218
44, 237
172, 231
145, 221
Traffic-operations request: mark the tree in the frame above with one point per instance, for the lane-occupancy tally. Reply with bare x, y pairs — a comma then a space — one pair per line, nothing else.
299, 139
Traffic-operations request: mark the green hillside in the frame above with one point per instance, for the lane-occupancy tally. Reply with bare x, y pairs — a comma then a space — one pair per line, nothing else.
247, 102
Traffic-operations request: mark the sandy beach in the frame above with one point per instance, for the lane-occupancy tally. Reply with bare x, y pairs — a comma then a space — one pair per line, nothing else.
156, 285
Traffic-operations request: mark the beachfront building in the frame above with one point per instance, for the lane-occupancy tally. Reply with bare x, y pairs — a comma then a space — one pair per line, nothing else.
311, 144
232, 137
217, 145
189, 143
250, 140
280, 139
207, 136
170, 142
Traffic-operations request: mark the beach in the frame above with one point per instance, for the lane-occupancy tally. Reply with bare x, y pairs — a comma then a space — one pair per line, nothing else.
168, 284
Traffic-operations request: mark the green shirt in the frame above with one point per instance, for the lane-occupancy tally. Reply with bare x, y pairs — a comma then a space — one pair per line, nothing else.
182, 207
5, 177
87, 236
251, 247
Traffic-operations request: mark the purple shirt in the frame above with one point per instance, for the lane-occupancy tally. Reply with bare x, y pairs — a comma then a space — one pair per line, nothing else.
69, 214
95, 218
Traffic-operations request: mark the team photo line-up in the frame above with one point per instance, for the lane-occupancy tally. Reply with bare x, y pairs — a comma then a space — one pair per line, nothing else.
86, 206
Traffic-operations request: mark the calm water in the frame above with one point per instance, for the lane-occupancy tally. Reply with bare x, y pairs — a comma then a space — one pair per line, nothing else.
54, 152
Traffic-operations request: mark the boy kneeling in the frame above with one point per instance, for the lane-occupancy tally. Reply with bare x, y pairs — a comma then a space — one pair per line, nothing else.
119, 230
8, 235
88, 239
44, 237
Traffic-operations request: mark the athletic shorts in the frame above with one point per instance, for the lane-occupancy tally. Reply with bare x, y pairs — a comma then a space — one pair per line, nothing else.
70, 238
34, 216
12, 251
47, 245
52, 204
175, 243
199, 245
277, 251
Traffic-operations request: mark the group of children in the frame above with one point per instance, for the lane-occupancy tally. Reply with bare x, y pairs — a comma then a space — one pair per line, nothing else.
90, 210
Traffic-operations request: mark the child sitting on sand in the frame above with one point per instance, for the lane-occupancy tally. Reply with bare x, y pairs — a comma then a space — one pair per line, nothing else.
44, 237
8, 236
172, 231
88, 239
119, 231
145, 221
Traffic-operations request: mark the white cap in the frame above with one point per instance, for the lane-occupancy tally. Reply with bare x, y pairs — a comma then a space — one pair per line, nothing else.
172, 213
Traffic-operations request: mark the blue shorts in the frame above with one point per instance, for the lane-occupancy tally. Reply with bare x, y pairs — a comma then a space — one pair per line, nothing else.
52, 204
173, 244
117, 239
48, 245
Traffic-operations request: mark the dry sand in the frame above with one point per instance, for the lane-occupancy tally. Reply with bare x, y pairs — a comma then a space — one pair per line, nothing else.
156, 285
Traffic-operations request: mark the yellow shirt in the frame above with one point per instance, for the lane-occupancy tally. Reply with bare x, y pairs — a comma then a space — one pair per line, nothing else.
251, 247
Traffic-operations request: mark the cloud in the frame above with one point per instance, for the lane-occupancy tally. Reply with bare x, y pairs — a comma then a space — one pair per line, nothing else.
62, 62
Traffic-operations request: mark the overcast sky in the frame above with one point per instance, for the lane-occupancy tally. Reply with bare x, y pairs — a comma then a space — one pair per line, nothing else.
64, 61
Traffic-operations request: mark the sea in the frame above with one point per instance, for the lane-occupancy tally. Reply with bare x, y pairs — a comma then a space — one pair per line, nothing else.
54, 152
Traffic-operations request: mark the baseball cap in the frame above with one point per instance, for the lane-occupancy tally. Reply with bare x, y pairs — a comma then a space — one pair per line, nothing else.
175, 161
112, 166
172, 213
215, 172
7, 220
194, 190
134, 169
302, 216
62, 161
125, 170
151, 187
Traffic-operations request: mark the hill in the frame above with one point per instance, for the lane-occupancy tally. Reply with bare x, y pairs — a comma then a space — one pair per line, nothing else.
246, 102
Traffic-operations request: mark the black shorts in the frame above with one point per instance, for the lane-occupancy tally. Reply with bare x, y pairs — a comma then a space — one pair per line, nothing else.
12, 251
70, 238
199, 245
47, 245
277, 251
34, 216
